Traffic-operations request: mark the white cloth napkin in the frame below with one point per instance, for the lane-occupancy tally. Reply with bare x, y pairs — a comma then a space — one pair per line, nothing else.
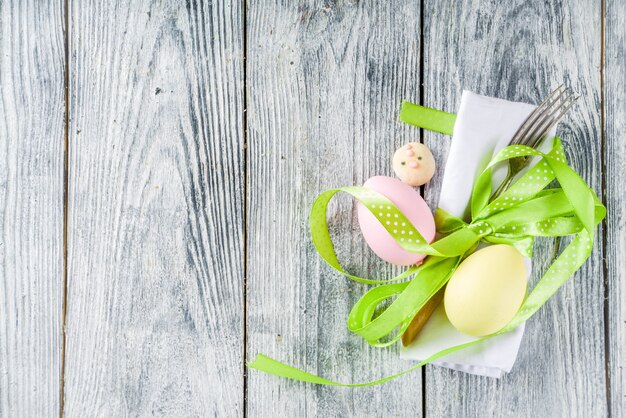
484, 125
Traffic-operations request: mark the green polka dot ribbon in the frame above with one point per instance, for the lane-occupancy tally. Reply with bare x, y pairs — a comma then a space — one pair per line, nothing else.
524, 211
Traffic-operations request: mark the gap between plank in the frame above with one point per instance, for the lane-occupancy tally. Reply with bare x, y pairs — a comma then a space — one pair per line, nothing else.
65, 204
244, 37
605, 269
422, 188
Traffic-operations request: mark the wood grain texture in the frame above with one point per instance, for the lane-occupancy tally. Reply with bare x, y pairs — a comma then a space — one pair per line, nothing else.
32, 117
520, 51
155, 247
157, 181
615, 199
325, 81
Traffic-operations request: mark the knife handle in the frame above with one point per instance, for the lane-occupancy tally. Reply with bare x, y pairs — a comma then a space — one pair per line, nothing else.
421, 318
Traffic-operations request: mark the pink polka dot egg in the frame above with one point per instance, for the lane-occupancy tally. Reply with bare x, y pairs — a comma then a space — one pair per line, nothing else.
414, 208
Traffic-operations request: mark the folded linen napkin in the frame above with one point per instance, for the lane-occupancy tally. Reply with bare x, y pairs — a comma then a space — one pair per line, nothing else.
484, 125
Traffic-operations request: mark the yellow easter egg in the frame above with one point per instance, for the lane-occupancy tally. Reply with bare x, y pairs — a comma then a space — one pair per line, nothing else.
486, 290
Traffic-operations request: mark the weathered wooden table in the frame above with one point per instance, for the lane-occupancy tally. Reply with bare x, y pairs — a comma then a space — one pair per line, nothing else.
157, 163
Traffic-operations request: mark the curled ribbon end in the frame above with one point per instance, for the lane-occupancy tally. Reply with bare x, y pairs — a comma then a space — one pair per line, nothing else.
254, 363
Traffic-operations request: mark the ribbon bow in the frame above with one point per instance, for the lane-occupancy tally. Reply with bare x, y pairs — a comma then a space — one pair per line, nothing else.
525, 211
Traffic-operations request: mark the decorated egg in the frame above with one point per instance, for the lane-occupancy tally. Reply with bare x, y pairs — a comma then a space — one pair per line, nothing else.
411, 204
486, 290
414, 164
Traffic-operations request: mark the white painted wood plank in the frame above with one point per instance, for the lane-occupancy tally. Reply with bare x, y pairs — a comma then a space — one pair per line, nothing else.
155, 257
615, 198
32, 118
325, 81
521, 51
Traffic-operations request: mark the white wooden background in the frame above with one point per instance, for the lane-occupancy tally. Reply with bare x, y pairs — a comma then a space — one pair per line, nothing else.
157, 163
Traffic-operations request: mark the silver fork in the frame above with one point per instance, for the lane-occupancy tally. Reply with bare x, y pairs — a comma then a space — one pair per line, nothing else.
535, 128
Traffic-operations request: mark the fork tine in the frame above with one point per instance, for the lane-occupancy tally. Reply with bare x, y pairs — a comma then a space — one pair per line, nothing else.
550, 119
544, 108
535, 128
560, 115
554, 120
546, 118
532, 118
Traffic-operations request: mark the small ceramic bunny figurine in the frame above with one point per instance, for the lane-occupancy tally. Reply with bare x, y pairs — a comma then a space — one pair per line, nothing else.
414, 164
